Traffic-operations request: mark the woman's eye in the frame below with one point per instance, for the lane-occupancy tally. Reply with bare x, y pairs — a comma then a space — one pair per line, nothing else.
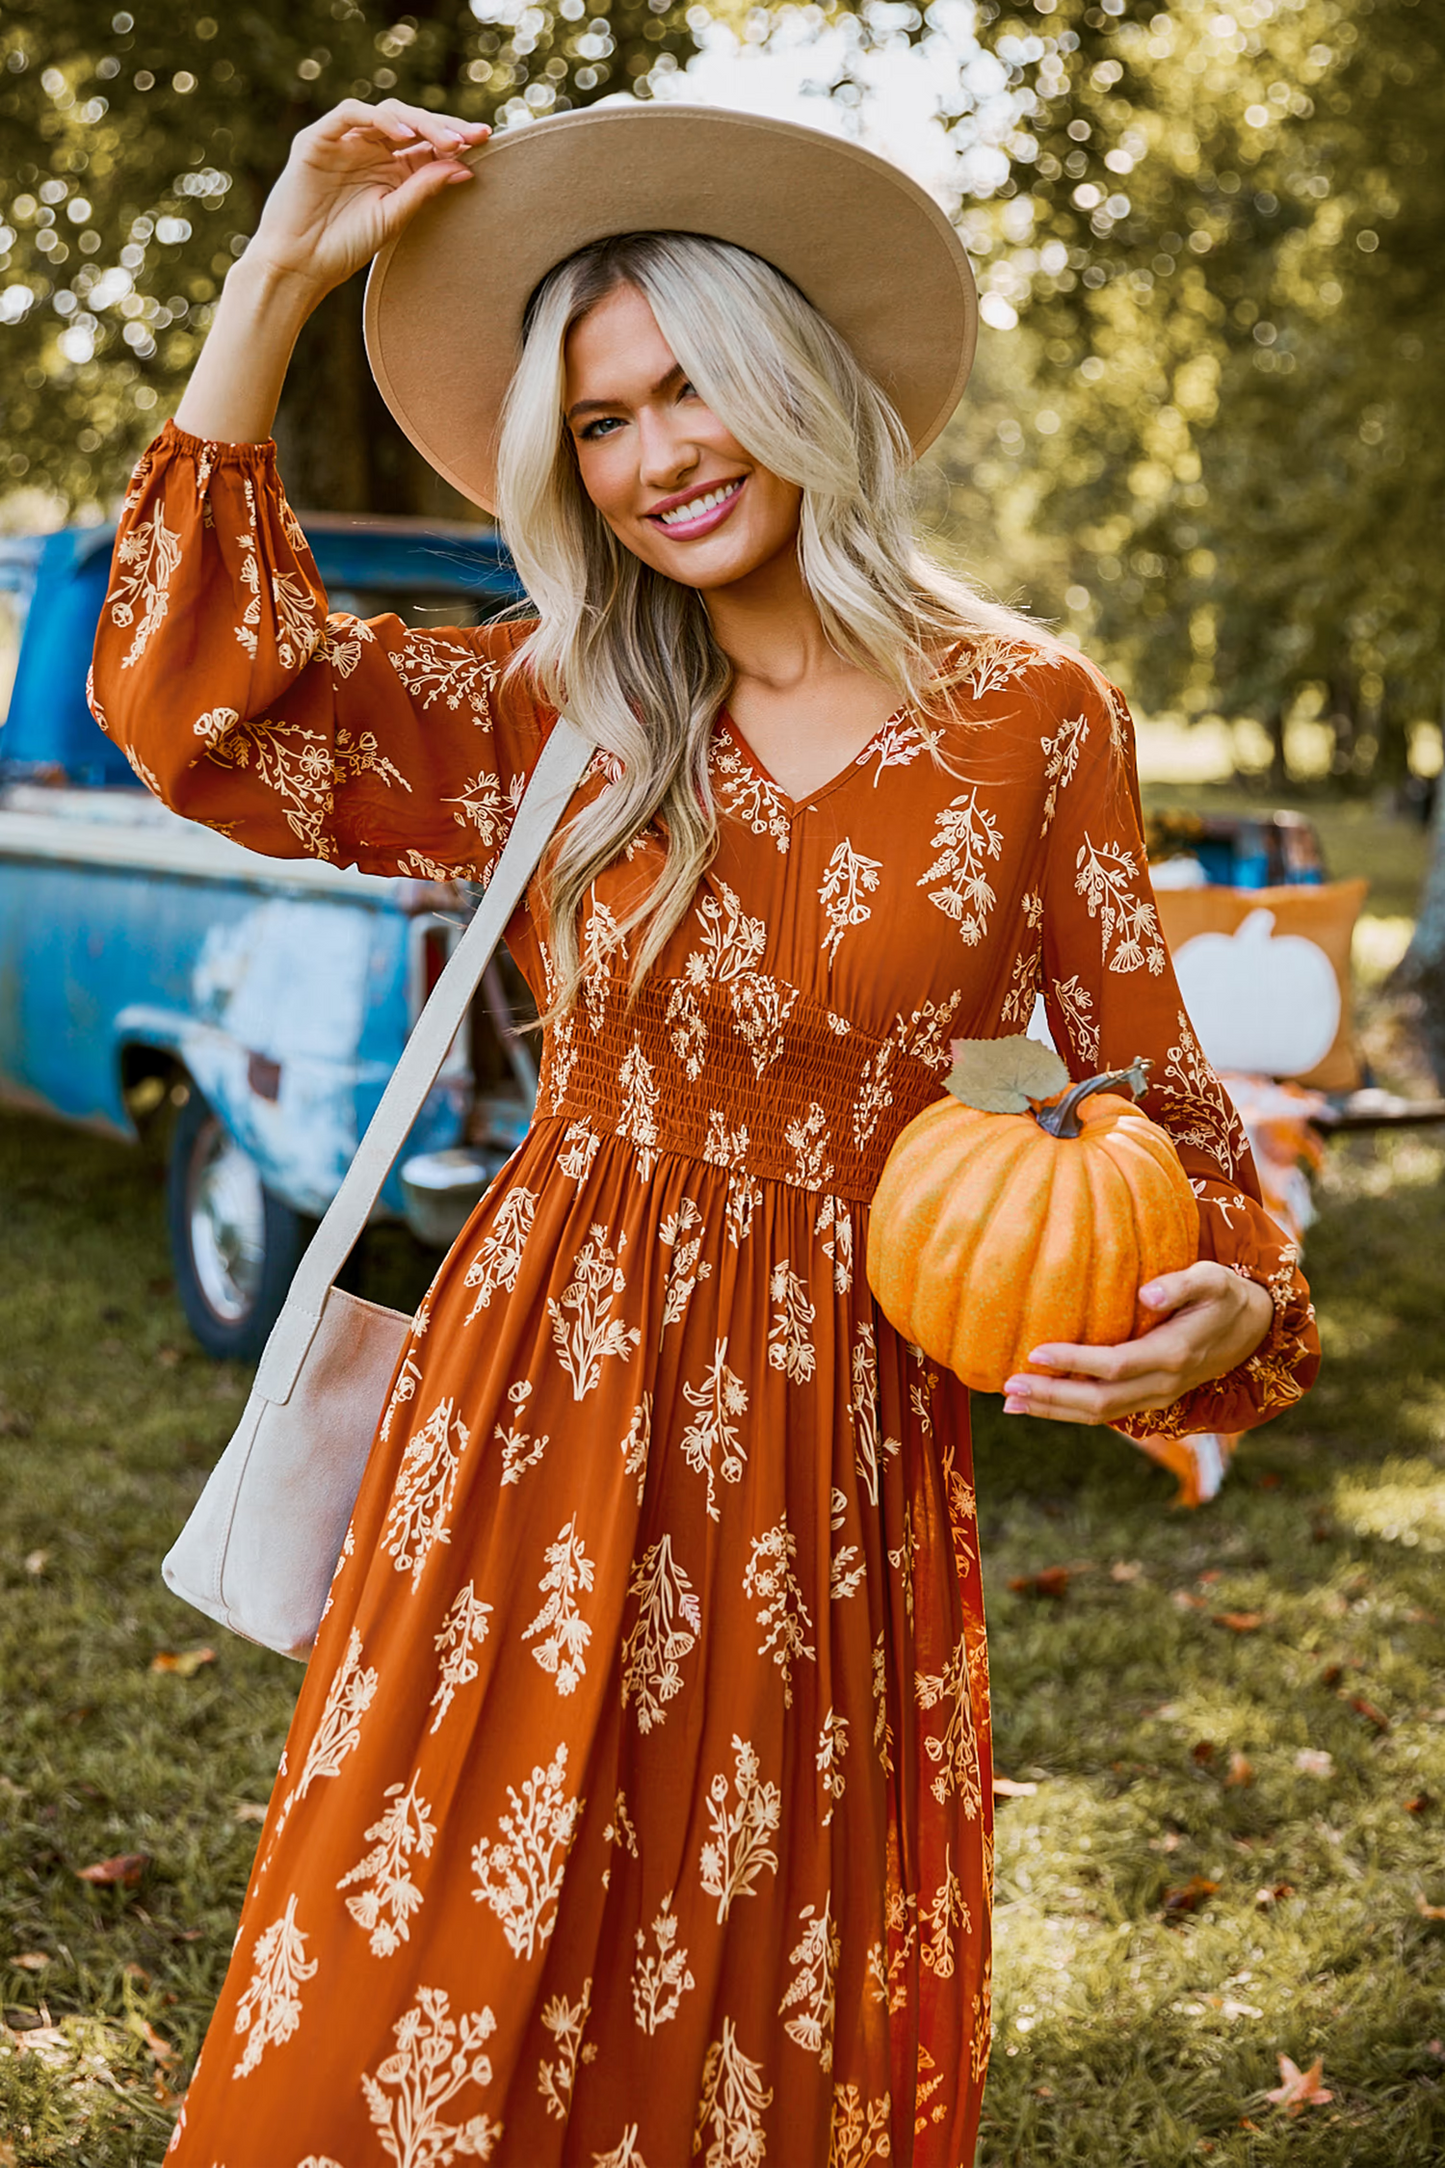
604, 426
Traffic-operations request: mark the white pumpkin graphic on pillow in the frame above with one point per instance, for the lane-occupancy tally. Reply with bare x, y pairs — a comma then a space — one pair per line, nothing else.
1266, 1004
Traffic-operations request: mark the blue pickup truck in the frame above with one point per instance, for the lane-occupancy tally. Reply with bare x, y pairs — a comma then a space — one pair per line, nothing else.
244, 1012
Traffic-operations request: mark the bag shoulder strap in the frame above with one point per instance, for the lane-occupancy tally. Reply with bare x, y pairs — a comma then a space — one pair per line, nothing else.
555, 777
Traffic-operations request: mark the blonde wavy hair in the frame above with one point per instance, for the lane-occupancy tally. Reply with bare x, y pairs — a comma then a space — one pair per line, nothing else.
631, 654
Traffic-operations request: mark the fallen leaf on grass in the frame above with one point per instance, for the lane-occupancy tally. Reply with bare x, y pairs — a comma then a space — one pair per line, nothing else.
168, 1357
1012, 1788
1420, 1804
29, 1960
1189, 1896
1428, 1911
1240, 1622
9, 2158
184, 1662
1125, 1569
1276, 1894
36, 1563
1210, 1574
137, 1972
42, 2039
1184, 1600
1052, 1581
123, 1871
1202, 1751
1314, 1761
250, 1810
9, 1789
1369, 1712
1300, 2089
161, 2049
1241, 1771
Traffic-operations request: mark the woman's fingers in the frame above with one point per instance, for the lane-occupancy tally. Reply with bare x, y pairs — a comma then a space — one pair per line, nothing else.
410, 192
1172, 1289
1087, 1400
1211, 1320
1111, 1365
445, 133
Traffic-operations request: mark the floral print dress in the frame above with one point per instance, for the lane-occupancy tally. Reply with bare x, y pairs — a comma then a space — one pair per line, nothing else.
636, 1810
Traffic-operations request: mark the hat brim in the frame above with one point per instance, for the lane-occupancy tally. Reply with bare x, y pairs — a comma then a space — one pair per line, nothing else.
868, 247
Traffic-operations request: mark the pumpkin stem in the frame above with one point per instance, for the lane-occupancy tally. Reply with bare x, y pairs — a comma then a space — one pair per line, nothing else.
1061, 1119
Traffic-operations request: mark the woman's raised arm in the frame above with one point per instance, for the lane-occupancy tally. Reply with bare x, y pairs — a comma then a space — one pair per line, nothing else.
353, 180
219, 670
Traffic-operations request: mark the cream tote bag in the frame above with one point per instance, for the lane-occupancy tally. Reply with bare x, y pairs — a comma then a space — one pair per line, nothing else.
261, 1545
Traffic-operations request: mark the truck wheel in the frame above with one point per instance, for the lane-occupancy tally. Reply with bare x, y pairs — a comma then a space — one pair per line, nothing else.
235, 1246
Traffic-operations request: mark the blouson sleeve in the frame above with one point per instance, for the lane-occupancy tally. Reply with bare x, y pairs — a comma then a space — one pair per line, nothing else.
244, 704
1111, 995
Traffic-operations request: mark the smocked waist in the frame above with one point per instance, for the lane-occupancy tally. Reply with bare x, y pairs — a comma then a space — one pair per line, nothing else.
745, 1074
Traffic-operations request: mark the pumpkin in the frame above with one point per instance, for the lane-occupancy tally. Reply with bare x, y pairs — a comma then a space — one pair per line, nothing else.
1015, 1212
1264, 1003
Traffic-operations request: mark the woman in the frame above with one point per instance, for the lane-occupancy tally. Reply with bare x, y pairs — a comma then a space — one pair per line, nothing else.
637, 1802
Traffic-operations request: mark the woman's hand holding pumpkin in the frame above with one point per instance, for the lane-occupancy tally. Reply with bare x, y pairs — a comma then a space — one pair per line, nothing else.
1211, 1320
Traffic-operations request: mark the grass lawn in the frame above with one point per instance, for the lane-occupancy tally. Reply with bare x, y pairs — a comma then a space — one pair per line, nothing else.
1234, 1827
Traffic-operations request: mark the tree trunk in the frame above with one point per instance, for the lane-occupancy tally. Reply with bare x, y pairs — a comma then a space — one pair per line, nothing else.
1278, 763
1422, 968
340, 450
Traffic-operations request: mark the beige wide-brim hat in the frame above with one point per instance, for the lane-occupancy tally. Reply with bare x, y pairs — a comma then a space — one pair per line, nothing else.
868, 247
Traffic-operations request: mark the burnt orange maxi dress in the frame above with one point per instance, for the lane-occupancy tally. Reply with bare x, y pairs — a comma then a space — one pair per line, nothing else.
636, 1808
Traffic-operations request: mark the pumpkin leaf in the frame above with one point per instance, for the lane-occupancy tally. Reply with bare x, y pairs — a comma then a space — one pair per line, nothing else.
1004, 1076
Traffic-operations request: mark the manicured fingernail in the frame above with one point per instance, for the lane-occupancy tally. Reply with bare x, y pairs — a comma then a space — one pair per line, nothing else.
1018, 1385
1152, 1295
1016, 1405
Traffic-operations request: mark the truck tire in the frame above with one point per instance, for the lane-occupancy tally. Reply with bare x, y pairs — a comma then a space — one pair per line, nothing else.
234, 1245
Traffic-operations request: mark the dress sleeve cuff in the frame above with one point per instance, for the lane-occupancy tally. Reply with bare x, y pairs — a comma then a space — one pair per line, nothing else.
210, 452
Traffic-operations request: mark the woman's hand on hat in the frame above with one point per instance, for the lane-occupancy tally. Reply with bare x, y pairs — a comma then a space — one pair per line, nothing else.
354, 179
1212, 1319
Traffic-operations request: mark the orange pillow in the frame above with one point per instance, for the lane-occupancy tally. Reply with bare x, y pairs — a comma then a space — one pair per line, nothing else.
1324, 915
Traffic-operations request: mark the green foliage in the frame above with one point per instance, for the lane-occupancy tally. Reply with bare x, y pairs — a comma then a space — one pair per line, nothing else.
136, 149
1210, 444
1222, 235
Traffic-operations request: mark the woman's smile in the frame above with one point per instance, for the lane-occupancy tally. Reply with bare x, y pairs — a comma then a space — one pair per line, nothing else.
684, 518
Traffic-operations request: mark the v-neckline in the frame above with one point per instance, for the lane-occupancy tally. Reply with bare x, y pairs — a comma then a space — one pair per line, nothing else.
811, 798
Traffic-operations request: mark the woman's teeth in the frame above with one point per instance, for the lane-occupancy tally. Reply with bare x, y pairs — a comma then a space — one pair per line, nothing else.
696, 506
